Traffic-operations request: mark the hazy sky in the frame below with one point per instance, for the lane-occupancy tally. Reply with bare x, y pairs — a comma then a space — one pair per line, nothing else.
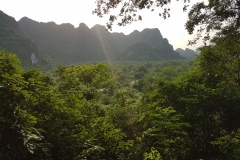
77, 11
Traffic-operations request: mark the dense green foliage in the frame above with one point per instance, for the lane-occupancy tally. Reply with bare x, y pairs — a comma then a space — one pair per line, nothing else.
161, 110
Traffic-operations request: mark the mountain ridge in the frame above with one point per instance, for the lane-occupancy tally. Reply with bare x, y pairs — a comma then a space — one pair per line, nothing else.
83, 43
58, 44
188, 53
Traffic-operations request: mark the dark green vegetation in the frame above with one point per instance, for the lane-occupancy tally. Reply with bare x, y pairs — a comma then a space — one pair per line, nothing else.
161, 110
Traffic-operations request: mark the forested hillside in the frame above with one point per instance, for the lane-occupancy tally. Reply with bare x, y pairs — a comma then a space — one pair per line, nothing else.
14, 40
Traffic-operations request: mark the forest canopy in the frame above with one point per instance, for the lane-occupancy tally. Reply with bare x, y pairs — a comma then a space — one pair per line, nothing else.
162, 110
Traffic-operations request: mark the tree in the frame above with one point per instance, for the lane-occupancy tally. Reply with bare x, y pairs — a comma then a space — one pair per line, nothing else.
37, 121
129, 8
216, 15
84, 130
20, 138
164, 130
208, 102
221, 59
97, 76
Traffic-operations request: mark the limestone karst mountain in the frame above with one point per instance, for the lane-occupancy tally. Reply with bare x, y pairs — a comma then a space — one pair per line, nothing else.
65, 43
12, 39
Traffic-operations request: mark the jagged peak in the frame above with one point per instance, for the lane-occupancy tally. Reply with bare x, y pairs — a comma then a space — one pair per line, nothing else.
154, 31
26, 19
67, 27
83, 26
165, 40
135, 32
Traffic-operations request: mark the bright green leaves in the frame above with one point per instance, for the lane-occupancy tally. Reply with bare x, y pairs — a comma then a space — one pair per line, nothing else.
89, 81
104, 140
11, 80
9, 63
91, 134
153, 155
166, 131
92, 76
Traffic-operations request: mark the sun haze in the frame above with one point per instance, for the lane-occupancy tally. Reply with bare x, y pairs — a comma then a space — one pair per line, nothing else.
78, 11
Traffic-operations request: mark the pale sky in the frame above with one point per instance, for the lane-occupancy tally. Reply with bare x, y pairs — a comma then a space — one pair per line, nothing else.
78, 11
